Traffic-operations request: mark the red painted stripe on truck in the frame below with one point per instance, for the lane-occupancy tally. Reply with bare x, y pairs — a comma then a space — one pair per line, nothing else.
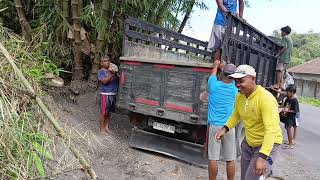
134, 63
164, 66
122, 79
148, 102
201, 70
178, 108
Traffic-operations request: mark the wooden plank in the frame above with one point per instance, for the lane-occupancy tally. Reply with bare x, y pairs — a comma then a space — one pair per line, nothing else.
271, 72
157, 61
172, 44
253, 48
245, 23
154, 28
261, 80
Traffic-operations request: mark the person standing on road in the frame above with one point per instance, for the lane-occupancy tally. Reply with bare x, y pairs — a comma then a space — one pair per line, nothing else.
108, 86
258, 109
219, 26
221, 99
288, 115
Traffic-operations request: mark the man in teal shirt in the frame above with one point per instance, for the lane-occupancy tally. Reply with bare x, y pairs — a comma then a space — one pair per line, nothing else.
284, 55
222, 95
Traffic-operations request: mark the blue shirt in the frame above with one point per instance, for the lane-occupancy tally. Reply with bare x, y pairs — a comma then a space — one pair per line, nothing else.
221, 101
231, 6
112, 86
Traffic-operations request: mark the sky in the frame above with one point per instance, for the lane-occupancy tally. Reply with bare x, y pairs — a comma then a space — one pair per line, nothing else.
266, 15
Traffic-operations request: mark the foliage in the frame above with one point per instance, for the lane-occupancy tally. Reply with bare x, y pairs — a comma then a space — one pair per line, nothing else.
23, 145
311, 101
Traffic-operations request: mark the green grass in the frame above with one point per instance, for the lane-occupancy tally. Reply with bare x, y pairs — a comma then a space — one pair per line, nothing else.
24, 145
311, 101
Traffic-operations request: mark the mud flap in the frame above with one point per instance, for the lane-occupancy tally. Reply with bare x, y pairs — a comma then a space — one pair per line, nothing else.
185, 151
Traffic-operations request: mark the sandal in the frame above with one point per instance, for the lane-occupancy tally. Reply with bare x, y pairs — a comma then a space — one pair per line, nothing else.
287, 143
288, 147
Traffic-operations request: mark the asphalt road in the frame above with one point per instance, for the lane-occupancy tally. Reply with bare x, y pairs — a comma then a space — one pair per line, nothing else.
307, 148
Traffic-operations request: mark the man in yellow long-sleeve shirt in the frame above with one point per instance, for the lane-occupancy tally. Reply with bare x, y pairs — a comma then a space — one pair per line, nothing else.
259, 111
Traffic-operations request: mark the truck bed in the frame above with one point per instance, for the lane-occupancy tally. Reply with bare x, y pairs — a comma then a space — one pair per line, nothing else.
170, 91
163, 74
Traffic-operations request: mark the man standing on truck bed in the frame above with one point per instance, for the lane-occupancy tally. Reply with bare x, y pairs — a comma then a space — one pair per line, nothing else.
284, 55
222, 95
258, 109
218, 29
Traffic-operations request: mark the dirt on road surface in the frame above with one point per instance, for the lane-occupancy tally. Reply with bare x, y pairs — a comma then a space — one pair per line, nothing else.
112, 158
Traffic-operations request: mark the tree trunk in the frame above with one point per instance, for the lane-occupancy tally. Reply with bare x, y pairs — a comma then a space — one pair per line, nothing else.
161, 11
65, 9
66, 15
100, 42
80, 7
100, 45
78, 66
25, 26
186, 16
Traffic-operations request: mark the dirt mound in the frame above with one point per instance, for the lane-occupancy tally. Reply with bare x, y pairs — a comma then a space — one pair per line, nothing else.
110, 155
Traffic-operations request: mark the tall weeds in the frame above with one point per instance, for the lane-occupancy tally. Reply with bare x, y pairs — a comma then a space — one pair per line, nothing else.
23, 144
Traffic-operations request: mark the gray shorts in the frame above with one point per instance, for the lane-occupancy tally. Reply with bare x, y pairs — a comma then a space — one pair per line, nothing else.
249, 157
224, 150
282, 66
216, 37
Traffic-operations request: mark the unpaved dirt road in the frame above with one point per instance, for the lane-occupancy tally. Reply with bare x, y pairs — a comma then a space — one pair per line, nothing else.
112, 158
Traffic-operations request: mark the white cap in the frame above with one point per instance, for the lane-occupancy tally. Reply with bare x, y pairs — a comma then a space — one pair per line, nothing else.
242, 71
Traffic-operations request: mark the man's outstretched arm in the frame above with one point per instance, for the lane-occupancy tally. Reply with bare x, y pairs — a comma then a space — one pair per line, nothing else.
221, 6
241, 8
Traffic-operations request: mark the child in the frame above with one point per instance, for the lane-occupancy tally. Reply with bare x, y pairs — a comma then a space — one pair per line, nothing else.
284, 55
108, 86
288, 114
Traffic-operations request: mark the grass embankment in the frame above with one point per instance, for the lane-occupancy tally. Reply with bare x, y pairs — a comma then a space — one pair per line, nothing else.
23, 143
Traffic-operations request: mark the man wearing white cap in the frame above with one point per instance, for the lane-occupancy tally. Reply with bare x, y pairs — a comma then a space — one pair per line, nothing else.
258, 110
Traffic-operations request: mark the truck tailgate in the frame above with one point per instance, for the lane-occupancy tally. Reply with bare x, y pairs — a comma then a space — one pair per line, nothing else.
164, 90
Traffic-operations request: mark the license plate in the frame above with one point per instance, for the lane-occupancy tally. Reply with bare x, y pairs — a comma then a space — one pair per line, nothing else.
163, 127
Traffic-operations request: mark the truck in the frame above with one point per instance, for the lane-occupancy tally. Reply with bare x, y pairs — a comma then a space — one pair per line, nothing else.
163, 74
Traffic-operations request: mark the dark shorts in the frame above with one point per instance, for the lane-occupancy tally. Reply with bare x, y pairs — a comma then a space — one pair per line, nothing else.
108, 104
282, 66
288, 122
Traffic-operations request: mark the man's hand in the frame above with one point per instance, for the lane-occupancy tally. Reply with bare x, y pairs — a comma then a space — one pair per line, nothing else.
219, 135
111, 73
285, 109
236, 14
216, 63
261, 167
278, 90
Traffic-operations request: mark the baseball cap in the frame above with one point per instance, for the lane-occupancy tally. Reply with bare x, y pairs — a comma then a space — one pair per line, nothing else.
229, 68
242, 71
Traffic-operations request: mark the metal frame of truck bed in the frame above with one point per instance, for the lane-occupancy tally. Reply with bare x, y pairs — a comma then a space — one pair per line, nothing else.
163, 74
